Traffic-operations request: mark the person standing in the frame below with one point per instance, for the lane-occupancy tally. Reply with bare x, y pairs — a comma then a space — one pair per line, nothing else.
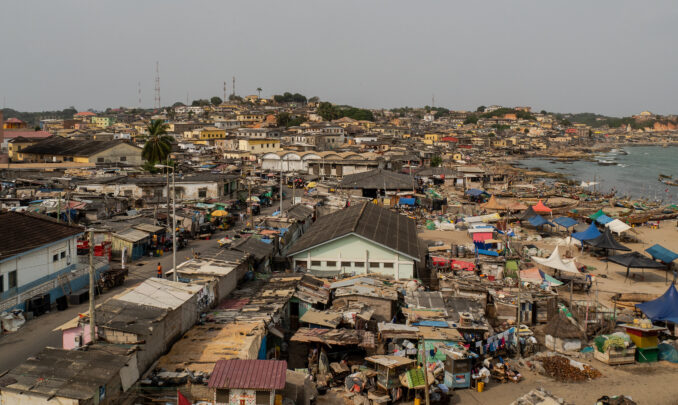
159, 270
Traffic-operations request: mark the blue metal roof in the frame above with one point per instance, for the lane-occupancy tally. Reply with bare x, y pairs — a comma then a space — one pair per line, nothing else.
565, 222
538, 220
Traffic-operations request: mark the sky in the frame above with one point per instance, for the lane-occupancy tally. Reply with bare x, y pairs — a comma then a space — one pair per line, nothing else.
613, 57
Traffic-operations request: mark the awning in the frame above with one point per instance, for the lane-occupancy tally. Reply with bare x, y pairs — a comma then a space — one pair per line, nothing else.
595, 216
659, 252
617, 226
538, 221
474, 192
565, 222
555, 262
635, 260
604, 219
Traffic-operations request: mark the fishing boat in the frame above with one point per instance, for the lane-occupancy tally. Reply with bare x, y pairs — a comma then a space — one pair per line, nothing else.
664, 176
669, 182
604, 162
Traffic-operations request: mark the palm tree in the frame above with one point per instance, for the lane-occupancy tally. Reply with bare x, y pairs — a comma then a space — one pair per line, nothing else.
259, 91
158, 144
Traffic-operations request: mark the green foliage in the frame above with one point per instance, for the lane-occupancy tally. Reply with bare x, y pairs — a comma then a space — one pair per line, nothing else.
158, 144
314, 99
331, 112
216, 100
200, 103
440, 111
287, 120
288, 97
500, 112
234, 97
436, 161
471, 119
178, 104
33, 118
598, 121
481, 109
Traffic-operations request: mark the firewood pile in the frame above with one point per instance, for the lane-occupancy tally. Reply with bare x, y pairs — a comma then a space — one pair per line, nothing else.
565, 370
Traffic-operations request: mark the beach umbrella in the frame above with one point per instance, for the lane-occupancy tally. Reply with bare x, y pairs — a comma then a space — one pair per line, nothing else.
219, 213
635, 260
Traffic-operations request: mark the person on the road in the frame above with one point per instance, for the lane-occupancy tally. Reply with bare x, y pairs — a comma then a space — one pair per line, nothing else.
159, 270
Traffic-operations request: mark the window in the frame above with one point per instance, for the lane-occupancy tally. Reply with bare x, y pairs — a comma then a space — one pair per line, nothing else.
128, 193
12, 279
202, 193
374, 265
345, 264
315, 263
359, 264
388, 265
252, 147
2, 283
55, 257
123, 158
263, 397
100, 160
63, 254
222, 396
331, 264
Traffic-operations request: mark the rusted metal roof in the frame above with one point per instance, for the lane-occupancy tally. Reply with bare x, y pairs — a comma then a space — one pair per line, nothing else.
249, 374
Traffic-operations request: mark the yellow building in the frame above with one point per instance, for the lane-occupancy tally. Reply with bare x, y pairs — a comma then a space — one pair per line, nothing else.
251, 117
208, 133
431, 139
103, 122
57, 149
256, 146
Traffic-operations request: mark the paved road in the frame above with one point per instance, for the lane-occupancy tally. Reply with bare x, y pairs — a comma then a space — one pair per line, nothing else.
42, 331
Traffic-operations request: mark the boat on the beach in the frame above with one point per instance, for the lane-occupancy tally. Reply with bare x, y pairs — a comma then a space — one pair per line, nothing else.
664, 176
604, 162
669, 182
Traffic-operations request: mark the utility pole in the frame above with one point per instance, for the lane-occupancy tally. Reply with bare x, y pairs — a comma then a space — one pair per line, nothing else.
225, 98
174, 227
92, 324
519, 320
139, 93
423, 344
233, 87
249, 201
158, 105
281, 187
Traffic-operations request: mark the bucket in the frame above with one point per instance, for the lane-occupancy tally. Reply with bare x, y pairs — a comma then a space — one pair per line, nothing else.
481, 386
417, 401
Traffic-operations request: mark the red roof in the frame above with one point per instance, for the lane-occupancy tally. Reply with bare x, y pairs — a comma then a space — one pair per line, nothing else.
249, 374
14, 121
84, 114
450, 139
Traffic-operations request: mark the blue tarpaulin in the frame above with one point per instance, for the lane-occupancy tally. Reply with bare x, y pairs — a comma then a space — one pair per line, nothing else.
486, 252
474, 192
604, 219
406, 201
538, 221
590, 233
664, 308
438, 324
659, 252
565, 222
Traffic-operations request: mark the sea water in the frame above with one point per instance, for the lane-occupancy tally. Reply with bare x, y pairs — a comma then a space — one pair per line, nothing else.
634, 173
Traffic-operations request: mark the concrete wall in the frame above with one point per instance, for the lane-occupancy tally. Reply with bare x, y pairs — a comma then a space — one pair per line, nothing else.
355, 255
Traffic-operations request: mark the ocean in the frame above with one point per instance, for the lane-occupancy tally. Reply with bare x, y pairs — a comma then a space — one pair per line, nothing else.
634, 171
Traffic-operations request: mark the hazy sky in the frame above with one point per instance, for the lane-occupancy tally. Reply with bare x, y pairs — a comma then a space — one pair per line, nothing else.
609, 56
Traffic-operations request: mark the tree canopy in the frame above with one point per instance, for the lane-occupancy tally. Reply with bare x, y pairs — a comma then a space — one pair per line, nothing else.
216, 100
286, 119
288, 97
331, 112
158, 144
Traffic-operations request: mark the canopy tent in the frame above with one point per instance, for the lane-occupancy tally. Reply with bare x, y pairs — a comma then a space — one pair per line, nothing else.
565, 222
595, 215
659, 252
492, 204
664, 308
568, 241
529, 213
617, 226
603, 219
538, 221
590, 233
635, 260
474, 192
606, 241
555, 262
537, 276
541, 208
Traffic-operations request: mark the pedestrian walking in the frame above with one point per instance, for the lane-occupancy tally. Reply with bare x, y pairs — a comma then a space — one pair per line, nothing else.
159, 270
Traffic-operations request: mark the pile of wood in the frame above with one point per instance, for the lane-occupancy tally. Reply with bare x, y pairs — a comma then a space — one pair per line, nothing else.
562, 369
503, 373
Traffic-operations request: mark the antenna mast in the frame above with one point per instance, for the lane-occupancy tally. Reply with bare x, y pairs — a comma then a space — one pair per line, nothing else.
157, 85
139, 92
234, 86
225, 98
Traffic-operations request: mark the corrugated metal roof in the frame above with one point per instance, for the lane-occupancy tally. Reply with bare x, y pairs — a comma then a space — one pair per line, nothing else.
160, 293
249, 374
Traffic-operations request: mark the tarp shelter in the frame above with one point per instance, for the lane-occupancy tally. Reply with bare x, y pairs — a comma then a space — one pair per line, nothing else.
635, 260
659, 252
474, 192
565, 222
492, 204
535, 275
606, 241
595, 215
529, 213
538, 221
555, 262
617, 226
590, 233
540, 208
406, 201
603, 219
664, 308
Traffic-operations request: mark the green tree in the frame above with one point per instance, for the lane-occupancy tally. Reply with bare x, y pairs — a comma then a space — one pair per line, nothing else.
436, 161
190, 115
158, 144
178, 104
471, 119
481, 109
216, 100
328, 111
314, 99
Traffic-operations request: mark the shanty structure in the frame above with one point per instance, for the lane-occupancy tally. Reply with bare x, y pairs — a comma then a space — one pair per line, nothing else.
237, 382
563, 334
360, 239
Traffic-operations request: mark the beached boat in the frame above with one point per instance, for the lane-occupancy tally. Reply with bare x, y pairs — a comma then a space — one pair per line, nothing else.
604, 162
669, 182
664, 176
